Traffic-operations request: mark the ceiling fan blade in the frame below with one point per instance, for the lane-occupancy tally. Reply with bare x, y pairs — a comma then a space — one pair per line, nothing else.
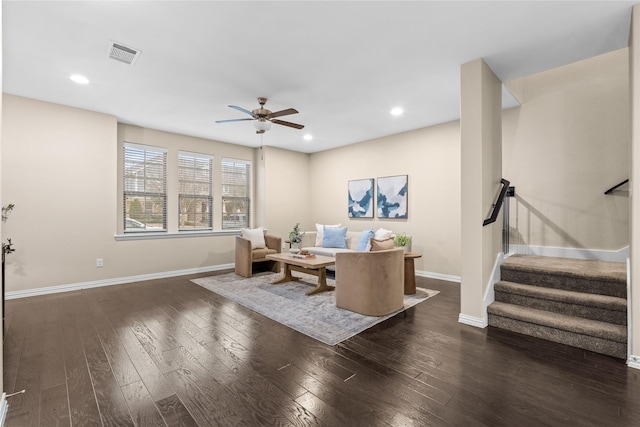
232, 120
291, 125
282, 113
235, 107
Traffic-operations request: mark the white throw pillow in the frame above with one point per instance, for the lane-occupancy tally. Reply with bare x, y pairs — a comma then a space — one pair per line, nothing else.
320, 233
382, 234
255, 236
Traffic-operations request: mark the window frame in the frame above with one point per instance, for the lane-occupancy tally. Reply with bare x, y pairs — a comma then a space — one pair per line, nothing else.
181, 194
229, 197
147, 178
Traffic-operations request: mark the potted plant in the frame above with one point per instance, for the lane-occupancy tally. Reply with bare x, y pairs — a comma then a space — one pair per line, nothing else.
6, 247
6, 210
295, 237
403, 241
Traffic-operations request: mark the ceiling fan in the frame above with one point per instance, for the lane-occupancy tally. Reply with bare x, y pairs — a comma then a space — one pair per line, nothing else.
263, 117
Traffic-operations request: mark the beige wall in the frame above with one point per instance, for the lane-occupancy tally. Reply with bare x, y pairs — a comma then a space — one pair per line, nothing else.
431, 159
60, 169
288, 192
563, 147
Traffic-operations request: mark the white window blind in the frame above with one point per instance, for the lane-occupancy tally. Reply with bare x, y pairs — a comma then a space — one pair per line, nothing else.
145, 188
236, 193
195, 195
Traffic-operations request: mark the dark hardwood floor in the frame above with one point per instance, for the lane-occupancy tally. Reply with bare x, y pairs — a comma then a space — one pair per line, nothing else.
168, 352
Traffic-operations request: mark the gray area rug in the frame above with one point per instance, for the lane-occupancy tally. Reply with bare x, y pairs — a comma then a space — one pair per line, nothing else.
316, 316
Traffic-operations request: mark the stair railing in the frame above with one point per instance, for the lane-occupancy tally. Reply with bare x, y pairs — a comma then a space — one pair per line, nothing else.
506, 227
498, 204
615, 187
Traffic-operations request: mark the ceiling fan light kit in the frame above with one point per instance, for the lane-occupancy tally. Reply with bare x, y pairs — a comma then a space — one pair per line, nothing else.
262, 125
263, 117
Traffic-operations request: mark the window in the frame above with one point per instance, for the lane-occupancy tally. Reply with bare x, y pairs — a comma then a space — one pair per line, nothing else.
145, 188
236, 193
195, 194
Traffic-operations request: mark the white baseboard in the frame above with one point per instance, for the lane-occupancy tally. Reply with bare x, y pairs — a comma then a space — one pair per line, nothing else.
4, 407
438, 276
576, 253
633, 362
477, 322
110, 282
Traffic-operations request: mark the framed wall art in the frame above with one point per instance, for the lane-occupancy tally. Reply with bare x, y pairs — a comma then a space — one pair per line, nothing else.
392, 196
361, 198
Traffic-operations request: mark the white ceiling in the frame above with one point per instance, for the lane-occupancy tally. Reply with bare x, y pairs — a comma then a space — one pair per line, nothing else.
342, 65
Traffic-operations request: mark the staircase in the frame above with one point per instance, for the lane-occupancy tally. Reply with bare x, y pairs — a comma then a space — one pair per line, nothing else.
575, 302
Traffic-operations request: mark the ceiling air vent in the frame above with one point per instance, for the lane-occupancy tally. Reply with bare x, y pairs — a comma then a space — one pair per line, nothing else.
123, 53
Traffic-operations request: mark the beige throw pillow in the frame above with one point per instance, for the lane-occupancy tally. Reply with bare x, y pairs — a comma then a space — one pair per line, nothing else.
381, 245
255, 236
382, 234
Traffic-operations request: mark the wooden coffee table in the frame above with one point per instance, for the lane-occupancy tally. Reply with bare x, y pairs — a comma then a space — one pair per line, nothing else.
315, 266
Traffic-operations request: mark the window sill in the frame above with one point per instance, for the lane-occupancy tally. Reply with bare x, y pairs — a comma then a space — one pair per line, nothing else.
175, 235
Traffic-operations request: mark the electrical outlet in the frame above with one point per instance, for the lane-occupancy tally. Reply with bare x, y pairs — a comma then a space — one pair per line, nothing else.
99, 263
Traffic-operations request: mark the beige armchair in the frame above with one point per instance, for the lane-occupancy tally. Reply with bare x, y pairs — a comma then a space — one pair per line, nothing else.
370, 283
246, 258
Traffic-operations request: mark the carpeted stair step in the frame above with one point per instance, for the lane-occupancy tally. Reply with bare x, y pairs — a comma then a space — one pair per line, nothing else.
596, 277
592, 335
603, 308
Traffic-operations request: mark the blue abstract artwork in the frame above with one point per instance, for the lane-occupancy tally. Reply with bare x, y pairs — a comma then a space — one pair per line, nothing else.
392, 196
361, 198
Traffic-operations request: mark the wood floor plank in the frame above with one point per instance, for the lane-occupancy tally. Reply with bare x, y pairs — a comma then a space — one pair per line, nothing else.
25, 407
141, 406
199, 352
53, 362
12, 351
83, 407
268, 404
113, 409
121, 365
54, 405
153, 379
200, 406
323, 412
175, 413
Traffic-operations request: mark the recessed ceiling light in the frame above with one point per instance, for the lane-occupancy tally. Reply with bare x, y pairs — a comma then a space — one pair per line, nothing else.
397, 111
308, 137
81, 80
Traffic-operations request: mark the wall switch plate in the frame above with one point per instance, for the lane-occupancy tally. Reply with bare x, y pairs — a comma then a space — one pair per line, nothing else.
99, 263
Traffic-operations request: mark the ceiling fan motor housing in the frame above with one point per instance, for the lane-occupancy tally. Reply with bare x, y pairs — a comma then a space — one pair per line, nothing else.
261, 112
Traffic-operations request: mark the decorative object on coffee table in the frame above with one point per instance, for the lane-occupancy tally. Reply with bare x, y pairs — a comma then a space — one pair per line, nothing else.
410, 273
295, 237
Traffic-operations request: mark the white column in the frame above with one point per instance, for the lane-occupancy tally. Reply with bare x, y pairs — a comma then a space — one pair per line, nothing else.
481, 150
634, 188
